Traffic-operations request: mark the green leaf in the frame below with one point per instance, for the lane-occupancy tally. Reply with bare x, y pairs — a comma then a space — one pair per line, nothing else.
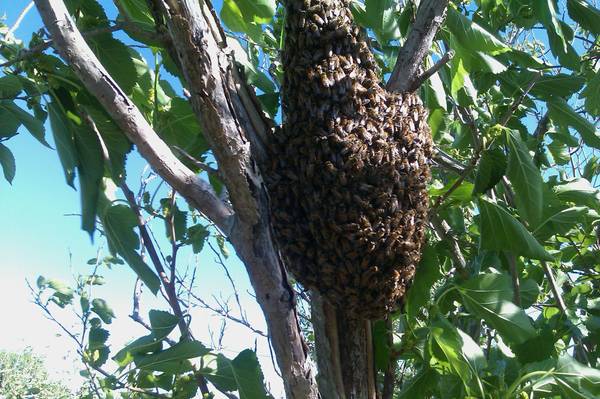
101, 308
420, 386
141, 345
428, 272
162, 323
500, 231
7, 161
562, 113
91, 172
253, 11
119, 221
526, 180
592, 100
464, 356
65, 142
119, 60
548, 15
585, 14
579, 192
10, 86
197, 236
489, 296
472, 36
562, 221
172, 357
113, 137
33, 125
381, 347
233, 17
97, 338
490, 170
242, 373
172, 213
382, 17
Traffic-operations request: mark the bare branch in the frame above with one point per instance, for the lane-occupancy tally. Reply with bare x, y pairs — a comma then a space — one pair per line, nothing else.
430, 16
444, 231
72, 47
429, 73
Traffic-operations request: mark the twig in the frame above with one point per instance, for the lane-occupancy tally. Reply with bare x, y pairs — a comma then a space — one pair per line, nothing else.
563, 308
506, 117
445, 232
419, 80
26, 53
201, 165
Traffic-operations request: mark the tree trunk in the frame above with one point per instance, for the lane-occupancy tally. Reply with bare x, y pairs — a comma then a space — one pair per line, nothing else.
344, 353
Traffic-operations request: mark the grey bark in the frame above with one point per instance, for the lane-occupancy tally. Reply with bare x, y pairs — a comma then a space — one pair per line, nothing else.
430, 16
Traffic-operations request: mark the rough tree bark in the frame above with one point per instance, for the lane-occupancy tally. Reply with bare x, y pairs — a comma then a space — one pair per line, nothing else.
236, 129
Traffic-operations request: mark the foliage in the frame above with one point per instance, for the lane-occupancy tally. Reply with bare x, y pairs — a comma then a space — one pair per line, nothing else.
505, 301
23, 375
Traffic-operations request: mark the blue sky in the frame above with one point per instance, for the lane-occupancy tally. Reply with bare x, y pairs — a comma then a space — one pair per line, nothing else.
40, 236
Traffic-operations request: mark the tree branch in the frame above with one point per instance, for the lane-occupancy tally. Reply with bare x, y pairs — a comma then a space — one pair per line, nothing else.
419, 80
73, 48
430, 16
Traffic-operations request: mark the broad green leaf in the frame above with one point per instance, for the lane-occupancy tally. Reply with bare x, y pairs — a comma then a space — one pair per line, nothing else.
256, 11
381, 346
10, 86
33, 125
472, 36
90, 173
97, 338
489, 296
233, 17
101, 308
9, 123
382, 17
242, 373
460, 195
119, 221
428, 272
460, 80
548, 15
562, 113
177, 353
64, 140
114, 139
562, 221
141, 345
580, 192
585, 14
253, 75
464, 356
118, 59
197, 236
529, 292
592, 100
420, 385
526, 180
179, 127
500, 231
162, 323
490, 170
7, 161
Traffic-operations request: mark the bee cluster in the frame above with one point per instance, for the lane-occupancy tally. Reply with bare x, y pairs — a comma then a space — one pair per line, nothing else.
349, 166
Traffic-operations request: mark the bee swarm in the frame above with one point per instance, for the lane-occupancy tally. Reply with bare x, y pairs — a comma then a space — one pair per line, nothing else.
349, 167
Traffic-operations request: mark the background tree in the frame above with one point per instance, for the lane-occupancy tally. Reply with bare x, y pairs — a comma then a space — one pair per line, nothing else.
504, 300
23, 376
